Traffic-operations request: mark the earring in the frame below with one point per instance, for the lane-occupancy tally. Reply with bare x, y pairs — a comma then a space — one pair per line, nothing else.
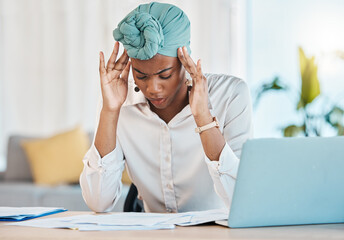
136, 88
188, 84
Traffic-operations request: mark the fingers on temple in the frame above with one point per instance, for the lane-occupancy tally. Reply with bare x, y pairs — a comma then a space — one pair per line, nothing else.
183, 59
122, 61
126, 70
187, 61
112, 60
181, 56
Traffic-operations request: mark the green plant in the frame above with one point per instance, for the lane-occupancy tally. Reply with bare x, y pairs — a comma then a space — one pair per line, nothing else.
310, 90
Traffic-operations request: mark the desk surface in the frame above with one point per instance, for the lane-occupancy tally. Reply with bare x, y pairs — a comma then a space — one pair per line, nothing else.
324, 231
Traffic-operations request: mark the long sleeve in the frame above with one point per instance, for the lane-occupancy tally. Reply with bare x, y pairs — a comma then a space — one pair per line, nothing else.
237, 129
100, 179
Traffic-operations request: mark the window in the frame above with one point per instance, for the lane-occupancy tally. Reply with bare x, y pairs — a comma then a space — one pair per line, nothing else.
275, 31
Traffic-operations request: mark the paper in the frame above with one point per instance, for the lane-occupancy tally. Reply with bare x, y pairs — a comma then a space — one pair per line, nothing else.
128, 221
206, 216
125, 228
25, 213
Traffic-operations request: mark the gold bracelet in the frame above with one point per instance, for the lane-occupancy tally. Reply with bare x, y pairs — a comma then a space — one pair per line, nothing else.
214, 123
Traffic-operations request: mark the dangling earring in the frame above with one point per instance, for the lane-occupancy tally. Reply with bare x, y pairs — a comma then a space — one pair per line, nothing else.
136, 88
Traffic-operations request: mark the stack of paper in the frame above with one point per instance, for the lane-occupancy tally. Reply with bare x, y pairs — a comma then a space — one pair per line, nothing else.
129, 221
25, 213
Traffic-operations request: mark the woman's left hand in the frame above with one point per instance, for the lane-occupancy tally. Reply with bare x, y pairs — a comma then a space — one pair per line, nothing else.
198, 95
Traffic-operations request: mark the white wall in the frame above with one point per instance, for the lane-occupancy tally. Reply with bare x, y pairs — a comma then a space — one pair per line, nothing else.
49, 56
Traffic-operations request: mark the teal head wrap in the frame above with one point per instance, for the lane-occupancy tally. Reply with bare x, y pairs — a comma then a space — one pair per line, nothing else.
154, 28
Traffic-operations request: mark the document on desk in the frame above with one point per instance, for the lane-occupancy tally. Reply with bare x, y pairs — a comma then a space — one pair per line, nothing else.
128, 221
25, 213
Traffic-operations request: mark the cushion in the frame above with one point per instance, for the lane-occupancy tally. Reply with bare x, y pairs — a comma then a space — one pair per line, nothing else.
58, 159
18, 168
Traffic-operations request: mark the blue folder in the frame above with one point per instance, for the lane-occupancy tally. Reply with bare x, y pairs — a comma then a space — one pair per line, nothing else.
12, 214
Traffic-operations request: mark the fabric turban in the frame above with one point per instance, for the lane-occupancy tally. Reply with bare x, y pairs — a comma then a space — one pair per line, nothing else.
154, 28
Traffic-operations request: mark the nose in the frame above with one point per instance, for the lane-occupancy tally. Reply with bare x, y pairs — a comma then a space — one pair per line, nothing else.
154, 87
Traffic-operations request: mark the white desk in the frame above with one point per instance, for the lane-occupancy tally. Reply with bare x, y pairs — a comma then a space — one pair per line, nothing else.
324, 231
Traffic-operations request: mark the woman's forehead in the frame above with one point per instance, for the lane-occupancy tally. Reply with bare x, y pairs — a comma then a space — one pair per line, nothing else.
156, 64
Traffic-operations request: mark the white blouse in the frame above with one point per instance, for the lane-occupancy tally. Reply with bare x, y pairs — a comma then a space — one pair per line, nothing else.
167, 162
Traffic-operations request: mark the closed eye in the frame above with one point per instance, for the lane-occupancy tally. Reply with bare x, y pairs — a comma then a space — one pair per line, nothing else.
141, 77
165, 77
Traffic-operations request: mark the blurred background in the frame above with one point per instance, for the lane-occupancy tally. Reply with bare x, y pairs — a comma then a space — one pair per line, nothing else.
291, 53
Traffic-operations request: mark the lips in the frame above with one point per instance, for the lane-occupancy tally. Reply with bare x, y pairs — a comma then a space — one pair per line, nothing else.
157, 101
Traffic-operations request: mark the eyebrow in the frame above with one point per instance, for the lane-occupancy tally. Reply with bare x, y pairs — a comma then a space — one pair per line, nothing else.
164, 70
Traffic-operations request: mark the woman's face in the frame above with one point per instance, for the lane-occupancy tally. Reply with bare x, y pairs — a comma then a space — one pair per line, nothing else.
161, 79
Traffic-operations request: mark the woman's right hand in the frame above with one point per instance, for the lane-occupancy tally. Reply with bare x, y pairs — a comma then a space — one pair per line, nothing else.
114, 79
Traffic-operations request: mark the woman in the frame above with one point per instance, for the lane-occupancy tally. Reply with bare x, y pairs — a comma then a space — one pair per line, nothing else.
178, 131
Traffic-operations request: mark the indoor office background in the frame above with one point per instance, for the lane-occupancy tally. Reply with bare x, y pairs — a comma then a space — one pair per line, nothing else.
49, 56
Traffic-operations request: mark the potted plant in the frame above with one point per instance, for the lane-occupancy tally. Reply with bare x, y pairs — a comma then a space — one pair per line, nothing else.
310, 90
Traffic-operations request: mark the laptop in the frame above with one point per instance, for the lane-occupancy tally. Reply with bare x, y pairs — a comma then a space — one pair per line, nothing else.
289, 181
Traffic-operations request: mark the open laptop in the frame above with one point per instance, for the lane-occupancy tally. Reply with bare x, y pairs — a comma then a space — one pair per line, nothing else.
289, 181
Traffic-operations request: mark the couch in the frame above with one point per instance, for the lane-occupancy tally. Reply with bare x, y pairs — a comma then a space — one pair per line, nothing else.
18, 190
